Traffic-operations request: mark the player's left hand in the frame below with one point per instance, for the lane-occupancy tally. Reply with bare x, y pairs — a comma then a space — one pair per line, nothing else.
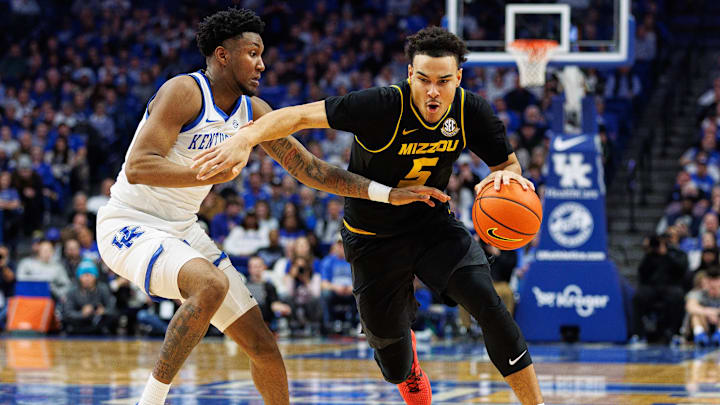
231, 155
411, 194
501, 177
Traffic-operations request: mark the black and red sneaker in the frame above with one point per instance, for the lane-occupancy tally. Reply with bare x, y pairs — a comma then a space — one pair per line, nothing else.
416, 389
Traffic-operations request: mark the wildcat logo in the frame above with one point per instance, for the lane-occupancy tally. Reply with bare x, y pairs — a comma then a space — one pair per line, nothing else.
126, 237
450, 128
421, 148
492, 234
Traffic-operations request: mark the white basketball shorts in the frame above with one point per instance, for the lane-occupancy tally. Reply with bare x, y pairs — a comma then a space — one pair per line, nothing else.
150, 252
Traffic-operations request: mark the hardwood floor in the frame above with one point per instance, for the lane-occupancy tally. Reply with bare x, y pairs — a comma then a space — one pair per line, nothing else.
103, 371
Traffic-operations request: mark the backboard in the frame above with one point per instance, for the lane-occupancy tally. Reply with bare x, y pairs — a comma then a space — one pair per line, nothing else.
590, 33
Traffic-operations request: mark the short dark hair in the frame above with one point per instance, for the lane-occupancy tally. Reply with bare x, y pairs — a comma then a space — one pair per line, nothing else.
713, 272
226, 24
436, 42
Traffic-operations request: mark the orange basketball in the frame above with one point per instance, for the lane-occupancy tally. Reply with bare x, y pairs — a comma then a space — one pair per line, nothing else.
509, 218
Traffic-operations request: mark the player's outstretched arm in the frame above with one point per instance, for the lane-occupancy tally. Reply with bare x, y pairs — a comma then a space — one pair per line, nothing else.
273, 125
177, 102
318, 174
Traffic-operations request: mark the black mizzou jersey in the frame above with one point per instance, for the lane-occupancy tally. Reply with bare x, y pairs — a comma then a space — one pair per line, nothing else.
395, 146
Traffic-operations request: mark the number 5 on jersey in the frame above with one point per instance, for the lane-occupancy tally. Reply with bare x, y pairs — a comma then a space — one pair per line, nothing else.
417, 176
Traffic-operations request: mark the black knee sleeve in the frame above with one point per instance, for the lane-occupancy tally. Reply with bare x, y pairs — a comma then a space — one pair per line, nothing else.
472, 288
395, 360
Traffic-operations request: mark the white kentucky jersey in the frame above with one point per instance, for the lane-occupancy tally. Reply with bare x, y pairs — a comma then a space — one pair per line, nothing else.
179, 206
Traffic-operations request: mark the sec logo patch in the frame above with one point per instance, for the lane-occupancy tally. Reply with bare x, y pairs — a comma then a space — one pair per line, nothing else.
449, 128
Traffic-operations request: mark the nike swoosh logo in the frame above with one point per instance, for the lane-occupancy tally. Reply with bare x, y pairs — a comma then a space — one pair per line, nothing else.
405, 131
208, 120
513, 361
565, 144
492, 234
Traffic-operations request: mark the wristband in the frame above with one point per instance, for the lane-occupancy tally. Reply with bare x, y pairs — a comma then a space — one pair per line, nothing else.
379, 192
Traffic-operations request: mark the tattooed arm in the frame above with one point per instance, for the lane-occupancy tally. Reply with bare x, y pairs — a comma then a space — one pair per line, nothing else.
313, 172
320, 175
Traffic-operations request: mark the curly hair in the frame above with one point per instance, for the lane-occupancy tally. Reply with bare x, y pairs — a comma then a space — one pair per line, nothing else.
436, 42
230, 23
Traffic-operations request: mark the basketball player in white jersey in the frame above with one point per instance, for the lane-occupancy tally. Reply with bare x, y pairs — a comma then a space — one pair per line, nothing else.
148, 231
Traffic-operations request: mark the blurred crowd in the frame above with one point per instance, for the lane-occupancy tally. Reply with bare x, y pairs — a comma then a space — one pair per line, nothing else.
73, 88
681, 268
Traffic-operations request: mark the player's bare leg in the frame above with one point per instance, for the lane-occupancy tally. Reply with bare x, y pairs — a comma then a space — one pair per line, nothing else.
524, 384
266, 364
204, 288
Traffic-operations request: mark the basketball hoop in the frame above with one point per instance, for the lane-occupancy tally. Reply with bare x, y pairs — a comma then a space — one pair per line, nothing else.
532, 56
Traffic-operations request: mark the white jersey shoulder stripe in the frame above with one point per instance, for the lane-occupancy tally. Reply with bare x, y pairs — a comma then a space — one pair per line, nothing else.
200, 116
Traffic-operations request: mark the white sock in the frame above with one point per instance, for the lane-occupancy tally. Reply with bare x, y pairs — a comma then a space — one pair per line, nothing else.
155, 392
698, 330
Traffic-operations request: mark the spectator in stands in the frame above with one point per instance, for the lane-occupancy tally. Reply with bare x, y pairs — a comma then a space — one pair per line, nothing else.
71, 257
277, 199
337, 291
708, 144
703, 307
701, 178
660, 277
223, 223
7, 282
271, 253
335, 142
710, 224
89, 307
88, 245
43, 267
8, 144
310, 208
712, 95
255, 191
98, 200
266, 220
265, 293
11, 206
519, 98
79, 207
329, 225
29, 184
291, 225
304, 287
622, 85
246, 238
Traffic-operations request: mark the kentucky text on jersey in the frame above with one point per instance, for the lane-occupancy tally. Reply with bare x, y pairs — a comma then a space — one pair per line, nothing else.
207, 141
420, 148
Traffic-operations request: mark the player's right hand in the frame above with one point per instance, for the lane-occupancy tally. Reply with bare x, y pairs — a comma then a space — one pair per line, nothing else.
231, 155
411, 194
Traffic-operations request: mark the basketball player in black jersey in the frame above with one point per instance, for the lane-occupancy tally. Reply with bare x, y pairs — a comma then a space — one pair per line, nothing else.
406, 134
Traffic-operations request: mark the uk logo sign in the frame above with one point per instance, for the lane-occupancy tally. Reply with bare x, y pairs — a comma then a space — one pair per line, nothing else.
572, 169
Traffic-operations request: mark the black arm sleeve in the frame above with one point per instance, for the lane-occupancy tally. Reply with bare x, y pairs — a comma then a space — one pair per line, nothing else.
366, 113
484, 131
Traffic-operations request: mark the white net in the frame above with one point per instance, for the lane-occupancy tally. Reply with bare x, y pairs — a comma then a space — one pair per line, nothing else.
532, 56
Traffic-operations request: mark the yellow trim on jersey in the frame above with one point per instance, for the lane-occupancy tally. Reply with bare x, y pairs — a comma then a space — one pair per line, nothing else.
462, 115
394, 134
422, 122
356, 230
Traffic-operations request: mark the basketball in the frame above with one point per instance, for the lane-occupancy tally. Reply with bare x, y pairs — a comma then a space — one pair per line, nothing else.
507, 219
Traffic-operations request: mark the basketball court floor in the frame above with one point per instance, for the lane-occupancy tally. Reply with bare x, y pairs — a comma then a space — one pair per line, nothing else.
88, 372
